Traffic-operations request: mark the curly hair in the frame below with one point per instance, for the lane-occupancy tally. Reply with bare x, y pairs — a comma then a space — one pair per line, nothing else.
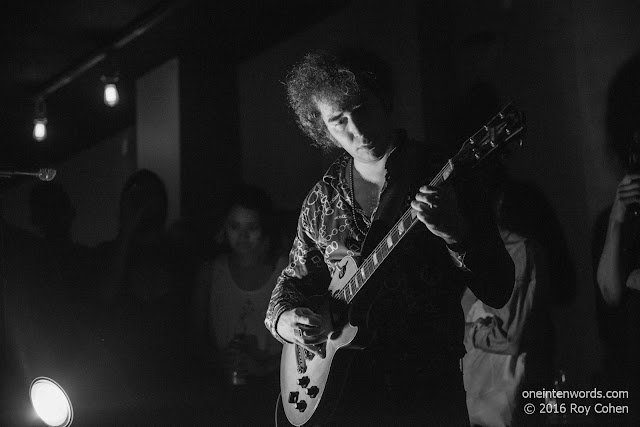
333, 78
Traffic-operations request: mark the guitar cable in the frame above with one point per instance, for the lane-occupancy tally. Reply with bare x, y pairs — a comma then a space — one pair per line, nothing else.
275, 412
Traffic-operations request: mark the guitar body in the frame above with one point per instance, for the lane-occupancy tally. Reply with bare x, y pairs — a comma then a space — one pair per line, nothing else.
304, 378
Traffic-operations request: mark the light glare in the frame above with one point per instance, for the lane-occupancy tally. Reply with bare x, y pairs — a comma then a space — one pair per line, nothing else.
111, 96
50, 402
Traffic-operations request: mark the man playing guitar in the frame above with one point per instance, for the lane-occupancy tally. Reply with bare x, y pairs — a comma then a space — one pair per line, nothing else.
410, 372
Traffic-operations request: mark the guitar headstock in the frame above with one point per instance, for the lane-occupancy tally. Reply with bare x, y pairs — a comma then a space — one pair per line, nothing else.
505, 129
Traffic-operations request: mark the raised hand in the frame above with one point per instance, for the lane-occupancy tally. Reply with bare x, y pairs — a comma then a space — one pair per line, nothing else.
627, 193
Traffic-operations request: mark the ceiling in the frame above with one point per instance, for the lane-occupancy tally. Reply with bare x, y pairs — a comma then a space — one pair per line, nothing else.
45, 41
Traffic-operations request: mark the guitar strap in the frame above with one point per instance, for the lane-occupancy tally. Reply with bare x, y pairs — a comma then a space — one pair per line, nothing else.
403, 171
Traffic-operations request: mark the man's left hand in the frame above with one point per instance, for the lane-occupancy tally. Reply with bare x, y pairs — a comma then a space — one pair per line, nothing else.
437, 208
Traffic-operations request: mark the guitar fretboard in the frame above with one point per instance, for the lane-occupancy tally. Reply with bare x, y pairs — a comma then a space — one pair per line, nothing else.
386, 245
483, 143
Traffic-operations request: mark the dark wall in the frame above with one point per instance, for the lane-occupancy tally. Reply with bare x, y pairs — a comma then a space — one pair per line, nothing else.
210, 149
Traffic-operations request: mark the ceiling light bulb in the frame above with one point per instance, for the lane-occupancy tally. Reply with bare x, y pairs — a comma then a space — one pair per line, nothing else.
111, 96
40, 129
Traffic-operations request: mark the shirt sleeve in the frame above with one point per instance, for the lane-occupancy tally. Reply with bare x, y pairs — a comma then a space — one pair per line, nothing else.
502, 331
490, 269
302, 277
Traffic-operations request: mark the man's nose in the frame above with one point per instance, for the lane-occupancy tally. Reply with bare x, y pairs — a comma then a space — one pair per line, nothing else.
355, 126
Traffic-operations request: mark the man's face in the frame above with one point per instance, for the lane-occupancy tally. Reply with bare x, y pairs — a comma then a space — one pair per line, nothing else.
361, 127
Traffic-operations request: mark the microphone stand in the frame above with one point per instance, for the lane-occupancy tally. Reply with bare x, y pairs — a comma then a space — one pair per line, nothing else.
45, 174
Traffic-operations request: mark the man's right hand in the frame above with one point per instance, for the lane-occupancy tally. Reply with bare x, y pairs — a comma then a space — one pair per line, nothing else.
306, 328
627, 193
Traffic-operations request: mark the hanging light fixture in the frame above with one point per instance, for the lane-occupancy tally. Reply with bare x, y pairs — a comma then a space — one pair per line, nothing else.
111, 95
40, 120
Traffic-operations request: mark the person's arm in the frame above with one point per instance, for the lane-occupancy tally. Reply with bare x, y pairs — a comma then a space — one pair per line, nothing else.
502, 332
114, 266
490, 269
303, 277
472, 238
613, 268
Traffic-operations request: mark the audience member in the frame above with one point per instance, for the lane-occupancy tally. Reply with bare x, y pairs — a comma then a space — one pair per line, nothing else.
135, 261
509, 348
52, 214
140, 283
618, 278
616, 242
231, 297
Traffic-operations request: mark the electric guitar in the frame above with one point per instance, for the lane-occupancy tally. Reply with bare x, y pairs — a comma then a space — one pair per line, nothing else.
305, 378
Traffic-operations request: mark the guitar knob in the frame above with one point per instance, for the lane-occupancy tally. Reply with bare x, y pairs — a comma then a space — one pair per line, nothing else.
301, 406
293, 397
303, 382
313, 391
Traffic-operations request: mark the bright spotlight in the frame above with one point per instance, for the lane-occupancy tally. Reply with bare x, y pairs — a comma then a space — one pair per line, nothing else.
50, 402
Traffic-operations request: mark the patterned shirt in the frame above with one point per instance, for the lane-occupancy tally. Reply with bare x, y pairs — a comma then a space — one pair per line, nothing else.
416, 310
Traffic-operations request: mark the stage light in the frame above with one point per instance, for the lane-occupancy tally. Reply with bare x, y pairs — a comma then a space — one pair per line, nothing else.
111, 96
51, 402
40, 121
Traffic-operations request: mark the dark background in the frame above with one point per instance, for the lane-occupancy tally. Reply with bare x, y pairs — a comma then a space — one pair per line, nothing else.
454, 63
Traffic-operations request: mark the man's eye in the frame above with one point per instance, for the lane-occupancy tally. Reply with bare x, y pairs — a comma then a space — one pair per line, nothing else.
342, 122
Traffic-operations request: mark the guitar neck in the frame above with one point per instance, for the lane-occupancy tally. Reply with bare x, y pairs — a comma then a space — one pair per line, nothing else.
387, 245
505, 127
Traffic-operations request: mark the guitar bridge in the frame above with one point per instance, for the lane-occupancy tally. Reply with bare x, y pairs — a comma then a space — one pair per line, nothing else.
301, 361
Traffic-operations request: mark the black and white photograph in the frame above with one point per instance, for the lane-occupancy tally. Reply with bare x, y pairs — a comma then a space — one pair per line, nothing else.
320, 213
